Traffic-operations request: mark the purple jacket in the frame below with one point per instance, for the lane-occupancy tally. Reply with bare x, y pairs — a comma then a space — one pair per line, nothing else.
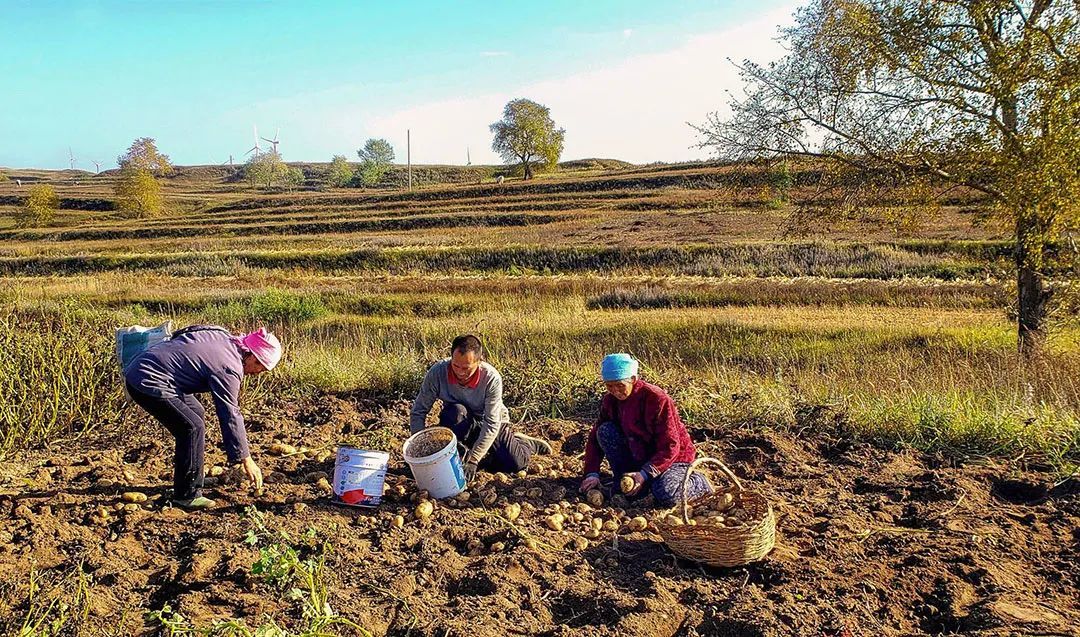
197, 360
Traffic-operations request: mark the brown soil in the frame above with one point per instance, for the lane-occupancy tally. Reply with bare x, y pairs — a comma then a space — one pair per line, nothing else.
429, 442
872, 542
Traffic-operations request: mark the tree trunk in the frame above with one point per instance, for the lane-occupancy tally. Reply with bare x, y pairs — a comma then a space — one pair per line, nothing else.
527, 167
1032, 291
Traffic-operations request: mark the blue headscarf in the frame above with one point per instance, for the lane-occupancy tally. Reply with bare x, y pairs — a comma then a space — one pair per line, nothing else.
618, 367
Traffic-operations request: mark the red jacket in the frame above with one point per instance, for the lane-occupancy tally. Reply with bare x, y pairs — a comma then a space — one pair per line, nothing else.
649, 420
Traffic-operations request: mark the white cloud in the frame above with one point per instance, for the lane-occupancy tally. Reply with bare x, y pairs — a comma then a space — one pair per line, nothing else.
636, 110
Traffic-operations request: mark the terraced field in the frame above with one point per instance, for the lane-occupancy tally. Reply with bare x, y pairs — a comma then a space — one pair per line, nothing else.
860, 371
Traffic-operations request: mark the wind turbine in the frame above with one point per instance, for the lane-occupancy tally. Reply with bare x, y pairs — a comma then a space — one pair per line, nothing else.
71, 158
468, 158
274, 141
97, 165
255, 149
228, 163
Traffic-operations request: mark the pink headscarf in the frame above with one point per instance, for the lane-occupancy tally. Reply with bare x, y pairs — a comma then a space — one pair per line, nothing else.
264, 346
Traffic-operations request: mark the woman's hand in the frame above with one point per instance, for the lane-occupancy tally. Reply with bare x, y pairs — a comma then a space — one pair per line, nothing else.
639, 481
590, 482
254, 473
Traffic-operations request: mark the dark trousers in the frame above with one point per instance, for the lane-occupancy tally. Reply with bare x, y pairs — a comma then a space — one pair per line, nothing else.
666, 488
185, 419
507, 454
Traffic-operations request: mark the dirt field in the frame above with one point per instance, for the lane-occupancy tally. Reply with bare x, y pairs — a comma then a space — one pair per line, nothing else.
871, 541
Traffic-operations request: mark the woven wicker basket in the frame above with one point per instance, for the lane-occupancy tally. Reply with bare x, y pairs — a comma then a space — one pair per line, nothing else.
718, 545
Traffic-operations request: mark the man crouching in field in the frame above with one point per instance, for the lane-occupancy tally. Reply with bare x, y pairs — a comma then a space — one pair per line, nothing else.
471, 392
197, 359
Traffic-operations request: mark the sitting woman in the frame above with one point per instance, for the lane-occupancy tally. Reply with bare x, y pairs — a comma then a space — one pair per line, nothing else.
640, 433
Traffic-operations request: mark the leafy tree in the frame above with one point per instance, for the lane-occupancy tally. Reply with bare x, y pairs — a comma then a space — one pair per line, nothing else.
340, 172
144, 155
294, 178
137, 190
40, 207
527, 133
265, 168
376, 157
979, 94
138, 193
4, 177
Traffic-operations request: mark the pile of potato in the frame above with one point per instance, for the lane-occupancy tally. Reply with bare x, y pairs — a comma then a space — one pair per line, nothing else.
718, 511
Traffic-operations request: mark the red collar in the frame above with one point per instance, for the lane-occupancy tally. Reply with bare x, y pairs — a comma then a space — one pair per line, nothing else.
472, 383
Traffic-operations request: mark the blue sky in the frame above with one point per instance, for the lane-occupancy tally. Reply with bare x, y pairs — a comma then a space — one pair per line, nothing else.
198, 75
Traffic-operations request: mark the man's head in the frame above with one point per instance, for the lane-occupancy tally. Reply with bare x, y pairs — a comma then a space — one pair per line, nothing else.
466, 352
619, 372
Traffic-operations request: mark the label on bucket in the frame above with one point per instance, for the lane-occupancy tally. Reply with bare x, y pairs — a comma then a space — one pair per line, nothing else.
459, 473
359, 476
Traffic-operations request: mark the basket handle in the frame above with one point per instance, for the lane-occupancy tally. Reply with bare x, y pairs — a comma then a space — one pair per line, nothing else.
690, 471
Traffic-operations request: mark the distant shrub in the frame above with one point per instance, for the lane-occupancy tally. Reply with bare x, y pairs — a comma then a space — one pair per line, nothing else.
281, 306
40, 206
138, 193
375, 159
294, 178
340, 173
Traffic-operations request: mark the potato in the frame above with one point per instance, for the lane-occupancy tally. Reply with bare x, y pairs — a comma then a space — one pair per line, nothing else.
591, 534
577, 517
512, 511
423, 510
531, 544
398, 521
315, 476
610, 525
579, 543
133, 496
324, 485
534, 493
216, 471
487, 498
638, 524
595, 498
496, 547
502, 478
558, 493
673, 520
519, 492
626, 483
596, 523
281, 449
464, 496
474, 545
131, 507
555, 521
723, 502
420, 496
119, 506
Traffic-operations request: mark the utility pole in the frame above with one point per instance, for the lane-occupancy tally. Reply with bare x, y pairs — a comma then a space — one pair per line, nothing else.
408, 154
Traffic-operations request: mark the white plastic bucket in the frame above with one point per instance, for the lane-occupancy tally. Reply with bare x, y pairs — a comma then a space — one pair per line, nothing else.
359, 475
438, 473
